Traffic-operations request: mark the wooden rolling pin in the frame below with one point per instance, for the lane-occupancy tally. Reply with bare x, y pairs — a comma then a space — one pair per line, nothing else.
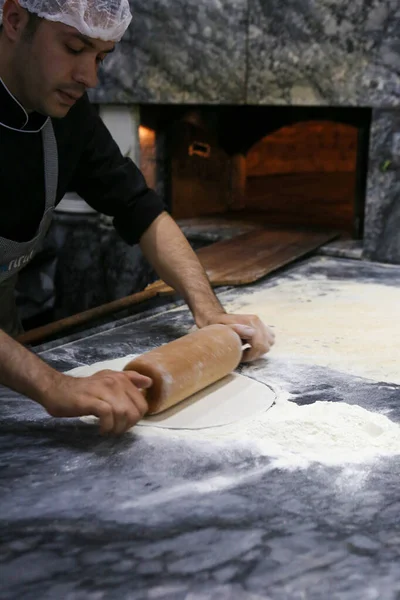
187, 365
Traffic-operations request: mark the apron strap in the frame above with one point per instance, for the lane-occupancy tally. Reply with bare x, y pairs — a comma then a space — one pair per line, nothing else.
50, 152
9, 320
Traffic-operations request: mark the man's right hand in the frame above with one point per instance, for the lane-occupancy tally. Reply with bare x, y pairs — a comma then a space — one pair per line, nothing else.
114, 397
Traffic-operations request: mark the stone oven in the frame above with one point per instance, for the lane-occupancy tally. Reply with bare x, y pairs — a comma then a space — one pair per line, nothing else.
336, 62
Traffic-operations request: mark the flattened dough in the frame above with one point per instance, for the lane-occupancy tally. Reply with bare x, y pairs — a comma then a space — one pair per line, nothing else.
230, 400
113, 364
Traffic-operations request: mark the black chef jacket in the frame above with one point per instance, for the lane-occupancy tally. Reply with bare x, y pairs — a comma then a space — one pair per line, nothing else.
90, 164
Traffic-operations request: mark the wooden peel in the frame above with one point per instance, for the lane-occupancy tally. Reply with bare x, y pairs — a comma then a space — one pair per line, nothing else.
238, 261
187, 365
249, 257
52, 329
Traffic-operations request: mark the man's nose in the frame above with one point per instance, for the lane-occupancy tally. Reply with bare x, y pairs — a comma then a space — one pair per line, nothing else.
86, 74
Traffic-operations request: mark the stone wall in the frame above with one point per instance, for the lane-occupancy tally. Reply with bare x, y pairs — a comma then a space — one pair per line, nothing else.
382, 225
303, 52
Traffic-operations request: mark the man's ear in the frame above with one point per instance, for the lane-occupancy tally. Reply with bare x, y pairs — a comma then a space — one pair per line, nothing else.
15, 19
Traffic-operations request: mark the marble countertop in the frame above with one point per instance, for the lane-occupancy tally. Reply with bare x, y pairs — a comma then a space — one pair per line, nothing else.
141, 517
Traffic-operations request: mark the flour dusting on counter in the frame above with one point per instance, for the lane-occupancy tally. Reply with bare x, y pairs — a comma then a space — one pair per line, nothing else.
351, 327
331, 433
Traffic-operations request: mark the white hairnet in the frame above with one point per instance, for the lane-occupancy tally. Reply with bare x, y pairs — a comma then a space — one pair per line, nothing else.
99, 19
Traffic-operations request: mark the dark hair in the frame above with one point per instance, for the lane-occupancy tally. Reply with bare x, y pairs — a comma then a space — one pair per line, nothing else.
31, 27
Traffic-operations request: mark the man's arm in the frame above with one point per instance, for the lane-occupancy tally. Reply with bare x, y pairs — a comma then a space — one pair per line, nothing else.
113, 185
113, 397
171, 255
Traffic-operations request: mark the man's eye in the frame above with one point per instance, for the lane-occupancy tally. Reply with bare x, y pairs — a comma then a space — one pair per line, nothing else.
74, 51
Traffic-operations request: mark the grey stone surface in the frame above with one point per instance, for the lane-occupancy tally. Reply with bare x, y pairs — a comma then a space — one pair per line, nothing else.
382, 215
179, 52
319, 52
343, 249
89, 518
302, 52
94, 265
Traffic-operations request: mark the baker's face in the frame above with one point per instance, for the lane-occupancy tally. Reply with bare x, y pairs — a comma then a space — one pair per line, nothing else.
56, 66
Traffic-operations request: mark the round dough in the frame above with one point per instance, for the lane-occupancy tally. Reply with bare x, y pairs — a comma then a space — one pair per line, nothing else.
228, 401
112, 364
234, 398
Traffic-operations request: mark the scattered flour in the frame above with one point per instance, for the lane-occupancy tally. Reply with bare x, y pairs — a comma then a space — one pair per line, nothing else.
331, 433
347, 326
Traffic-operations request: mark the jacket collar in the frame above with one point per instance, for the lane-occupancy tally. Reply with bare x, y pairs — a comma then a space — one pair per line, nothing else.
14, 116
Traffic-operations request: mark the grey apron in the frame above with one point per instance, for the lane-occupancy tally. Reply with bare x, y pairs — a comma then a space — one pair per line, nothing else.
15, 255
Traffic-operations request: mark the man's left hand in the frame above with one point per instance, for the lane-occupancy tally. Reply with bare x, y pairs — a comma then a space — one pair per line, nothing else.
251, 330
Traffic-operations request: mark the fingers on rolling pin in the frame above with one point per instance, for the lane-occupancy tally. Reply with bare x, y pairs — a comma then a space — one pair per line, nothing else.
187, 365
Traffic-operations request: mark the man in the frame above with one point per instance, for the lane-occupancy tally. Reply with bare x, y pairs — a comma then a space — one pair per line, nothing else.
51, 140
